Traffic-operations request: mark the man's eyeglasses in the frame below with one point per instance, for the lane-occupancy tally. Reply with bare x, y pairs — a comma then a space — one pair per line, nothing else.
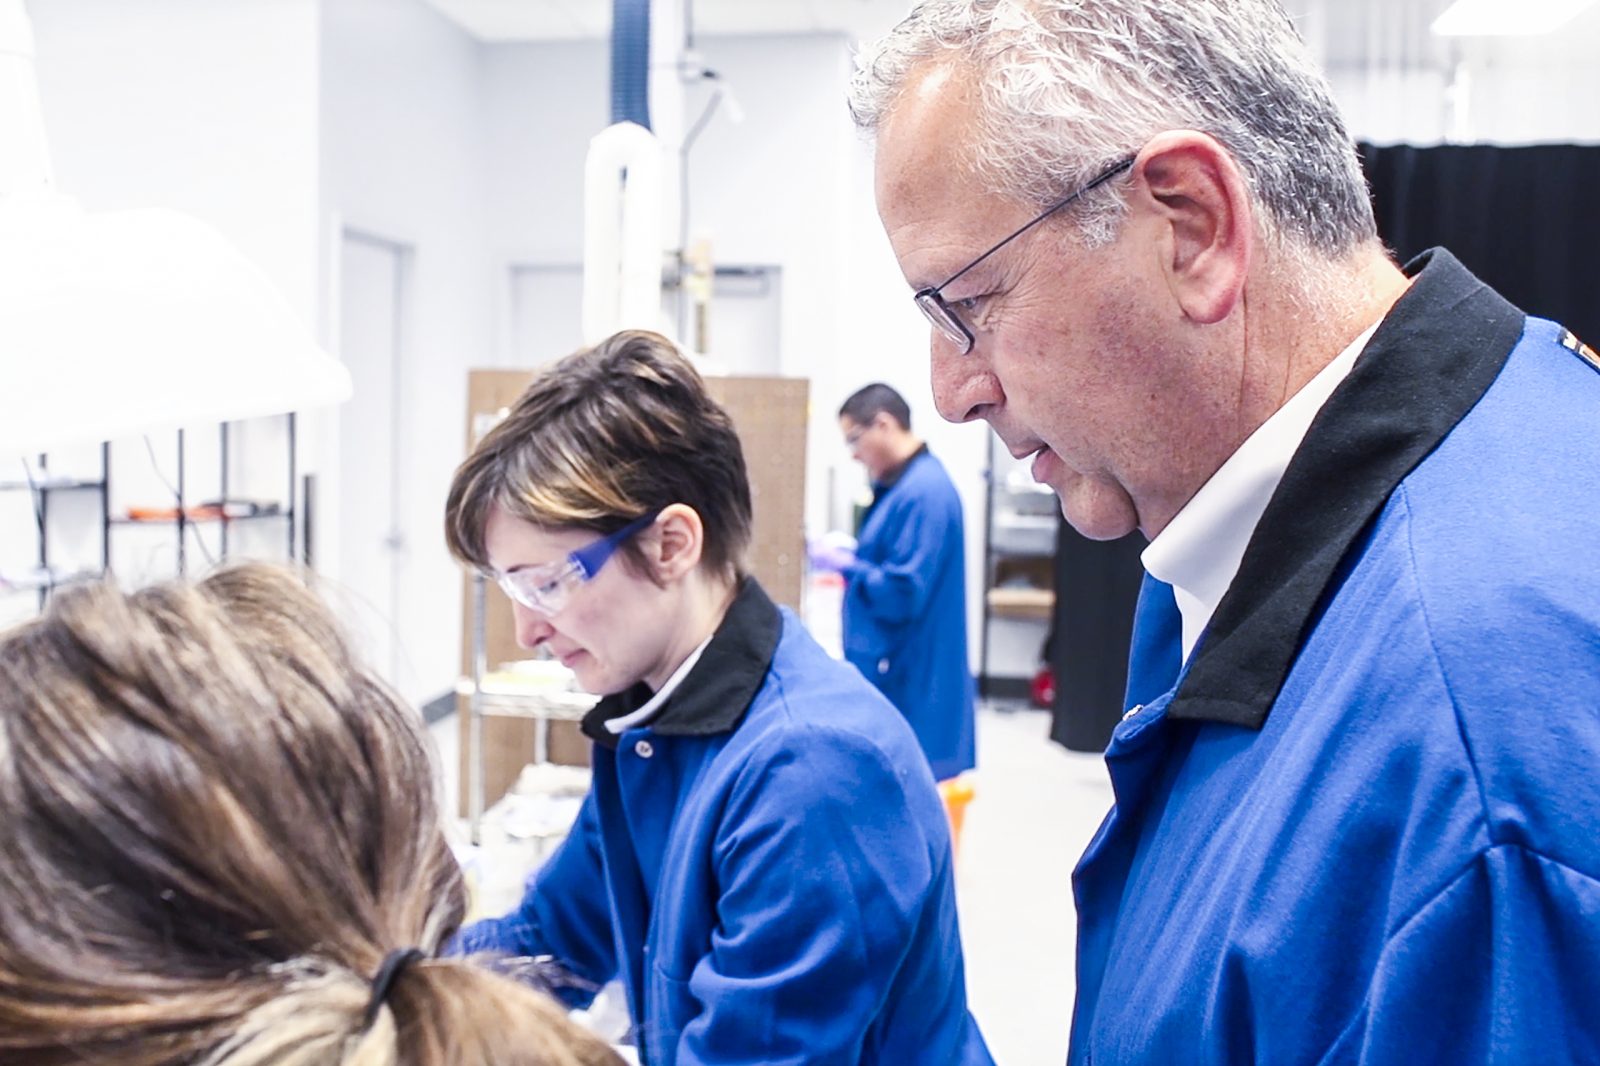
943, 316
546, 588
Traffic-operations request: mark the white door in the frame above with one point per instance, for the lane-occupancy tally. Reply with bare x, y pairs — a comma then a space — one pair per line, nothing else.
745, 320
372, 283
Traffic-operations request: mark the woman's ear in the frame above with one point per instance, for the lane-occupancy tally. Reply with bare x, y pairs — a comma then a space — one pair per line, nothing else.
678, 542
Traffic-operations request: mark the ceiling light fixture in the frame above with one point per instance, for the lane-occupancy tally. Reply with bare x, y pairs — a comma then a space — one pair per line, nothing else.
1507, 18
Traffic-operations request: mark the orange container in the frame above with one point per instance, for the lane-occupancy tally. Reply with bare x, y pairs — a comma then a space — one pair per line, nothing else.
956, 792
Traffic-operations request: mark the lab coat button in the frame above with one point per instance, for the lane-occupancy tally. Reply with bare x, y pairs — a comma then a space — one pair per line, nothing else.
883, 666
644, 749
1131, 711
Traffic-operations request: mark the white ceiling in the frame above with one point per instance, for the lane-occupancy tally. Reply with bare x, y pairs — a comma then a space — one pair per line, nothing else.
1396, 35
546, 20
1344, 33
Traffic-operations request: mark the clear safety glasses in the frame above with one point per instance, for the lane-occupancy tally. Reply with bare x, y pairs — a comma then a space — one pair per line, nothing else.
546, 588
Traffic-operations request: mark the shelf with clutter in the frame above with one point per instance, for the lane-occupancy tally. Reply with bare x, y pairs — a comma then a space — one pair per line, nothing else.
1019, 600
59, 521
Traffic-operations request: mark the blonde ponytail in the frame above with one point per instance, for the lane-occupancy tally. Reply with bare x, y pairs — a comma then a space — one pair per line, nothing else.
214, 826
442, 1011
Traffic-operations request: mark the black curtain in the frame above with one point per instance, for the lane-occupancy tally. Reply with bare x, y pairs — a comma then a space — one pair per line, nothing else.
1526, 220
1097, 586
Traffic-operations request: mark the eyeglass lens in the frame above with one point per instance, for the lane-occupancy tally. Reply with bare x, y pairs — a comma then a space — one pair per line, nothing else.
934, 310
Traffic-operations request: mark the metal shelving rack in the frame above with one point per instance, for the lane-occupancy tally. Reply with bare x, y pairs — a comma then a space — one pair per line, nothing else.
542, 707
44, 487
1018, 537
284, 510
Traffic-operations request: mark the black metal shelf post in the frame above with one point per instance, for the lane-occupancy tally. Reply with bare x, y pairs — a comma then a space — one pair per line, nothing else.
105, 507
988, 572
289, 500
286, 510
182, 515
222, 485
43, 506
41, 489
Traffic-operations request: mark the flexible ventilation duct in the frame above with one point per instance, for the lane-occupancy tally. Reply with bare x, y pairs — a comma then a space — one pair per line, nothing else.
630, 62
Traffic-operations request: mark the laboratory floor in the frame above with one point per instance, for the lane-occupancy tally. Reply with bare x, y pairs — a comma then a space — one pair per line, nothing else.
1036, 807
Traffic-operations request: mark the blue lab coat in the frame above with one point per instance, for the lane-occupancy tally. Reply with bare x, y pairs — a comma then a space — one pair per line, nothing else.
905, 610
1364, 826
765, 864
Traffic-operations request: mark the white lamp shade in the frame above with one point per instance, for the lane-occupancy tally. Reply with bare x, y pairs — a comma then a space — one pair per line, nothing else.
133, 321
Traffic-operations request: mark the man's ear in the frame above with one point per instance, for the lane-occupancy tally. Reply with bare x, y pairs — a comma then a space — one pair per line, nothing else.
678, 542
1196, 194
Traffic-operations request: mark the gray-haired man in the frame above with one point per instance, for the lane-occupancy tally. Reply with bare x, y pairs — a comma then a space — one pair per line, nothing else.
1359, 825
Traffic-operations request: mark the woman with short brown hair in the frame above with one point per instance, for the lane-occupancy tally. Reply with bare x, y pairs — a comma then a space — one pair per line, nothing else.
762, 858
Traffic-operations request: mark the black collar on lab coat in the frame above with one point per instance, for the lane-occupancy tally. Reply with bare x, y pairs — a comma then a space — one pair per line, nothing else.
1430, 361
719, 688
894, 475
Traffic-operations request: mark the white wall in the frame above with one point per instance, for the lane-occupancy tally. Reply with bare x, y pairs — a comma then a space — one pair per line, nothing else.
403, 151
790, 186
1399, 83
210, 109
542, 104
778, 188
1505, 103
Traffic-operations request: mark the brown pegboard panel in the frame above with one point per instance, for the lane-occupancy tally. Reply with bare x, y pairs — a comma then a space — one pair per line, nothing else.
770, 415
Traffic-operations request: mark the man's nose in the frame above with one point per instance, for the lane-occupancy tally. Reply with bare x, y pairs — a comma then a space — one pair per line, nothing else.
964, 387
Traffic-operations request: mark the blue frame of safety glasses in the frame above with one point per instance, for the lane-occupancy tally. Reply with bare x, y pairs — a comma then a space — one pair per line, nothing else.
591, 557
583, 563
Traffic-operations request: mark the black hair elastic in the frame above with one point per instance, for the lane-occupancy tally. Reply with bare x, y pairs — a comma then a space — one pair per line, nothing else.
384, 979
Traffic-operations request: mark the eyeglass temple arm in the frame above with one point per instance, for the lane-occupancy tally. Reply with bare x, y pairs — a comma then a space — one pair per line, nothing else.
1104, 177
591, 557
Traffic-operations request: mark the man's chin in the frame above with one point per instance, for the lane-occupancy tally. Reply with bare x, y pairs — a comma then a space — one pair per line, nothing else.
1096, 511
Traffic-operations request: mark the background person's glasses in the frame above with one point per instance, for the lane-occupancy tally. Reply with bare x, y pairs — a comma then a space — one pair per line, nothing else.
546, 588
943, 316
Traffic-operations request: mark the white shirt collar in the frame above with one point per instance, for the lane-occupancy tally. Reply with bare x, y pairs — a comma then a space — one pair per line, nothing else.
1199, 551
652, 706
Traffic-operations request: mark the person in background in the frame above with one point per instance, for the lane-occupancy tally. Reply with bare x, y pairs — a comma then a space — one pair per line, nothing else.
905, 597
1356, 787
219, 844
761, 858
